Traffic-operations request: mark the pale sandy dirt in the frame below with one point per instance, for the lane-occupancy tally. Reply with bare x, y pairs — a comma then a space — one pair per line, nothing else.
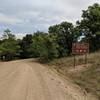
27, 80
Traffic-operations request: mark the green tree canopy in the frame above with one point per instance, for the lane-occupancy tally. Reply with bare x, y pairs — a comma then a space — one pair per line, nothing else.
25, 44
44, 46
65, 37
9, 47
90, 23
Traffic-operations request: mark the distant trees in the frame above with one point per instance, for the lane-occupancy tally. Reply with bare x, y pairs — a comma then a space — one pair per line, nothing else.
9, 46
44, 46
25, 43
57, 42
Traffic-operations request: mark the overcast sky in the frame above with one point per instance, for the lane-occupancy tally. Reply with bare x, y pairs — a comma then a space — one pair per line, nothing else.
28, 16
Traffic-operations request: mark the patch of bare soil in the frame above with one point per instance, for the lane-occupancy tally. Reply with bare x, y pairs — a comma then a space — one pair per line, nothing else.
79, 68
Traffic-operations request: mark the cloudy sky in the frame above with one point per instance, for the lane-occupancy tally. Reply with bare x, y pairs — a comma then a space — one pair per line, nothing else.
28, 16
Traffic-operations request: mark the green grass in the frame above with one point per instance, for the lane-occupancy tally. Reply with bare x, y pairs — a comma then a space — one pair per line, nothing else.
88, 79
62, 63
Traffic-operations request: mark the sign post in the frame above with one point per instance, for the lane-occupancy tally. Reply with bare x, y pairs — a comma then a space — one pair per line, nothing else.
85, 58
74, 61
80, 49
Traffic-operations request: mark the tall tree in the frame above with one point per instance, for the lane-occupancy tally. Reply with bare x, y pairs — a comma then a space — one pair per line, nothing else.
9, 47
7, 34
91, 26
64, 33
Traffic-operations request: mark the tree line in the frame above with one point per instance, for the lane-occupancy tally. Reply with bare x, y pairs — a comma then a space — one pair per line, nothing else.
57, 42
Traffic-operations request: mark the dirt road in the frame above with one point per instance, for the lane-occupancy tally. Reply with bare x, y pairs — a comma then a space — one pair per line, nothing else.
27, 80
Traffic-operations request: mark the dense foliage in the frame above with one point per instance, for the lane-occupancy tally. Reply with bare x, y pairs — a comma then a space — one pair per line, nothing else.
57, 42
9, 48
91, 26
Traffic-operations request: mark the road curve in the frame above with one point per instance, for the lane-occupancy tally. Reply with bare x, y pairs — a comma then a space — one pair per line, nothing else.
28, 80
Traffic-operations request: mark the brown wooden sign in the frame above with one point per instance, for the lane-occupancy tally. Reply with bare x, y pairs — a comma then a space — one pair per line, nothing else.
80, 48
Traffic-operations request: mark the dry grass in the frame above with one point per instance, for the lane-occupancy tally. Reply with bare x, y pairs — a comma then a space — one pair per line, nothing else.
88, 79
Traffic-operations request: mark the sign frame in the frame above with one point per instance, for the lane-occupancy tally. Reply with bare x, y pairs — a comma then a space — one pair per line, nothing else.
80, 49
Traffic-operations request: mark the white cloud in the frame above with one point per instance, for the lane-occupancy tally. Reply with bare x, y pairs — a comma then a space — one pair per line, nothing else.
9, 20
33, 15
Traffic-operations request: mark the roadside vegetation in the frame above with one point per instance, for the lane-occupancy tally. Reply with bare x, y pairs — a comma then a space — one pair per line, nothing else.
88, 77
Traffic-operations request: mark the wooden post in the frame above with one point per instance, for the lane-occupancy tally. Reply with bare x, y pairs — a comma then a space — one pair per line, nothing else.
74, 61
85, 58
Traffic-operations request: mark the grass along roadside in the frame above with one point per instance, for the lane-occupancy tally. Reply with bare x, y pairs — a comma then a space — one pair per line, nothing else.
87, 77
